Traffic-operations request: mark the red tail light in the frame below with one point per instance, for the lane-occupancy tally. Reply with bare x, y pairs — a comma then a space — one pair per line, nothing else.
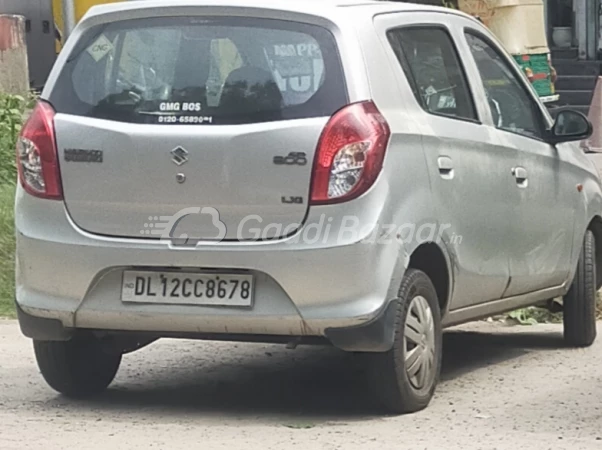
350, 154
37, 156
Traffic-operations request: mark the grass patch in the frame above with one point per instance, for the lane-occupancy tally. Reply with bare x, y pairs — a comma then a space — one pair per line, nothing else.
535, 315
7, 251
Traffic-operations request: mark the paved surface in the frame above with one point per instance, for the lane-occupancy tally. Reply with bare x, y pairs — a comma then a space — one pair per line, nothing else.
501, 388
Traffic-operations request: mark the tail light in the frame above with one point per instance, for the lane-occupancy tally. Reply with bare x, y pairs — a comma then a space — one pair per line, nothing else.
350, 154
37, 156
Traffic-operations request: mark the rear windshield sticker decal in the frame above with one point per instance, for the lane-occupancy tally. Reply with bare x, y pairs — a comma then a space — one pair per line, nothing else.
177, 106
185, 119
430, 91
294, 67
101, 47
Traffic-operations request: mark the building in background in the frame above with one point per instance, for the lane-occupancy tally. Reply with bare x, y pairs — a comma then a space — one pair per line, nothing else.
574, 33
575, 24
39, 32
44, 31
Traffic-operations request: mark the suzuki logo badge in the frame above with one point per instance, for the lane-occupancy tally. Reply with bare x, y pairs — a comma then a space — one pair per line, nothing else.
179, 156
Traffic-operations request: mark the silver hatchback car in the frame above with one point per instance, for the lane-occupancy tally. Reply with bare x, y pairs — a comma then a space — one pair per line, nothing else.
359, 173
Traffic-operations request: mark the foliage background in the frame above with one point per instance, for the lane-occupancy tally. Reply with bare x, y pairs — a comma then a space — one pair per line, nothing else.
13, 112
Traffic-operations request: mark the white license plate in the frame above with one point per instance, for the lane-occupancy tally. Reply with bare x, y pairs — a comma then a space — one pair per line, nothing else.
217, 289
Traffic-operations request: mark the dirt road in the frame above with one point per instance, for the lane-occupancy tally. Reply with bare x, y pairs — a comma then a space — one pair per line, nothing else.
501, 388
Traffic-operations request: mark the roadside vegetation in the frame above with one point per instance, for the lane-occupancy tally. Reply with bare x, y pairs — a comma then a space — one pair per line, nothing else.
13, 110
7, 251
534, 315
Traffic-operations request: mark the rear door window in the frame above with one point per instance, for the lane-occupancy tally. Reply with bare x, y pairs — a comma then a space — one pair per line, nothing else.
432, 66
202, 71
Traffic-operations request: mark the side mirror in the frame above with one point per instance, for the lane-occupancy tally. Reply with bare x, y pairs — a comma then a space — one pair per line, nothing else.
569, 126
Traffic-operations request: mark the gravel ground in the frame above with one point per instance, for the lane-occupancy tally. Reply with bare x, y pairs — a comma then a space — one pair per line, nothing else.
514, 388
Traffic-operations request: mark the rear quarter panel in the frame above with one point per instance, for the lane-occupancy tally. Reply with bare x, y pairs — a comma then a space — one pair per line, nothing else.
409, 204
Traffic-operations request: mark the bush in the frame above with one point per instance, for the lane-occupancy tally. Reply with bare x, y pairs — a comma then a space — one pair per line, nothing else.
13, 109
7, 251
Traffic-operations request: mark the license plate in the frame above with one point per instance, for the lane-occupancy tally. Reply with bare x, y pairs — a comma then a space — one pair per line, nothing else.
216, 289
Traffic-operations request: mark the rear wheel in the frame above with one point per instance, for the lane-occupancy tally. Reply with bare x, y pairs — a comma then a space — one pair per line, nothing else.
580, 301
405, 377
79, 367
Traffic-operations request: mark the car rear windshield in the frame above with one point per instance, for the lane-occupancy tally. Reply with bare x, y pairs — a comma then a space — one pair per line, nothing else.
202, 71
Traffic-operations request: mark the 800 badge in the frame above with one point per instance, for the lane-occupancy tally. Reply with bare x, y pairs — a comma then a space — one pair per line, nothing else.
293, 158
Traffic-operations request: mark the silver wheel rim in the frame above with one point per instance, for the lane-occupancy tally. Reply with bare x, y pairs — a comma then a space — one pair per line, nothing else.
419, 343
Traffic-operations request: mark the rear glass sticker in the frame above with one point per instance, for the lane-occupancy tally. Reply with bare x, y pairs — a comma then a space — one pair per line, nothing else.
308, 50
298, 68
446, 101
185, 119
180, 106
294, 67
430, 91
101, 47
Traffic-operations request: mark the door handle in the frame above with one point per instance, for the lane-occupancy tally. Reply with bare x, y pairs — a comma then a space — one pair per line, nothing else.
446, 167
520, 174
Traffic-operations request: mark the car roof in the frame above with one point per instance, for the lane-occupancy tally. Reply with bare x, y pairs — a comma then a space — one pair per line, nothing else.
323, 8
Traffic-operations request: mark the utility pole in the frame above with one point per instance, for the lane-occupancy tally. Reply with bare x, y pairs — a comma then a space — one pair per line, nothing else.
68, 18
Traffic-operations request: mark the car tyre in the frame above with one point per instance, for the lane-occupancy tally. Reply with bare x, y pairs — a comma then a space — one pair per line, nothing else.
79, 367
580, 301
405, 377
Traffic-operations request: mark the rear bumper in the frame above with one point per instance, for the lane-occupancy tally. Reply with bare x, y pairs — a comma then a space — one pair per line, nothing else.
71, 279
375, 335
42, 329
